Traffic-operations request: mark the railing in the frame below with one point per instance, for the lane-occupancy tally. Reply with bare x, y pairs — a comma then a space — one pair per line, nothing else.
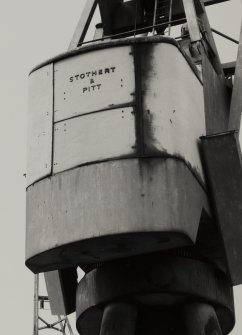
135, 32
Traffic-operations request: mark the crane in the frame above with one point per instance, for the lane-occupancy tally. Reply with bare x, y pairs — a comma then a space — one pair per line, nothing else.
134, 172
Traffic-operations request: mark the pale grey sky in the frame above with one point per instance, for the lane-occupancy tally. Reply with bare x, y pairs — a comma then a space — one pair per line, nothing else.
32, 31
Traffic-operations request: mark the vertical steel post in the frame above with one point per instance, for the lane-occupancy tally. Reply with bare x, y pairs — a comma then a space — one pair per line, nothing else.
236, 102
61, 325
154, 18
170, 18
69, 326
36, 305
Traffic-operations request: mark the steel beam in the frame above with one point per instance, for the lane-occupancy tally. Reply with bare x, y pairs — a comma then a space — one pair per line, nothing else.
236, 102
61, 287
192, 22
83, 24
223, 163
213, 2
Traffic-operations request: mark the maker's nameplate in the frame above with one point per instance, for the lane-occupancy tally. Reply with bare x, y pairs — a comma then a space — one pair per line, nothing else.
93, 81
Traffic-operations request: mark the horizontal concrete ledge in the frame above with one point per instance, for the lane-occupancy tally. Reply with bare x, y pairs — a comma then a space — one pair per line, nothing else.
111, 210
90, 253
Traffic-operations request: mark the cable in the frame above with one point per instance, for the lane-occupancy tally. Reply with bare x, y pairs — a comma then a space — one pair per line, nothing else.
225, 36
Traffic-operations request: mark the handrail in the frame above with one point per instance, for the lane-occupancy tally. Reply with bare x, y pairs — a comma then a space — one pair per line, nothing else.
140, 30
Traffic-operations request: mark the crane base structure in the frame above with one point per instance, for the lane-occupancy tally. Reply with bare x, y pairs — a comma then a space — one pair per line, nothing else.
134, 172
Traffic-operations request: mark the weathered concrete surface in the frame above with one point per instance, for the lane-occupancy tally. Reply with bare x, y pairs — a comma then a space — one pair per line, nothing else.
135, 205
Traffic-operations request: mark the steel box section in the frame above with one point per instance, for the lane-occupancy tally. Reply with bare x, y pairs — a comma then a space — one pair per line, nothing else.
61, 288
40, 115
224, 169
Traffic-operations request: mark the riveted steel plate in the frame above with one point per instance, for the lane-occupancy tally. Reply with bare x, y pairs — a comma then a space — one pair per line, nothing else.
93, 81
94, 137
40, 116
173, 103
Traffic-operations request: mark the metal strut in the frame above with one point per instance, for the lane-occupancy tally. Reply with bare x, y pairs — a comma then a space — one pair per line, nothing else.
162, 14
39, 301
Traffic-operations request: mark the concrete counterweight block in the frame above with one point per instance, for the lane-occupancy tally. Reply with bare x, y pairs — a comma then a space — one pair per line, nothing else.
112, 210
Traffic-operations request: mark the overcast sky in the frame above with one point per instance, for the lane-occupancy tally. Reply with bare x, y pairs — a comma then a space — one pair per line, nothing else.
32, 31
